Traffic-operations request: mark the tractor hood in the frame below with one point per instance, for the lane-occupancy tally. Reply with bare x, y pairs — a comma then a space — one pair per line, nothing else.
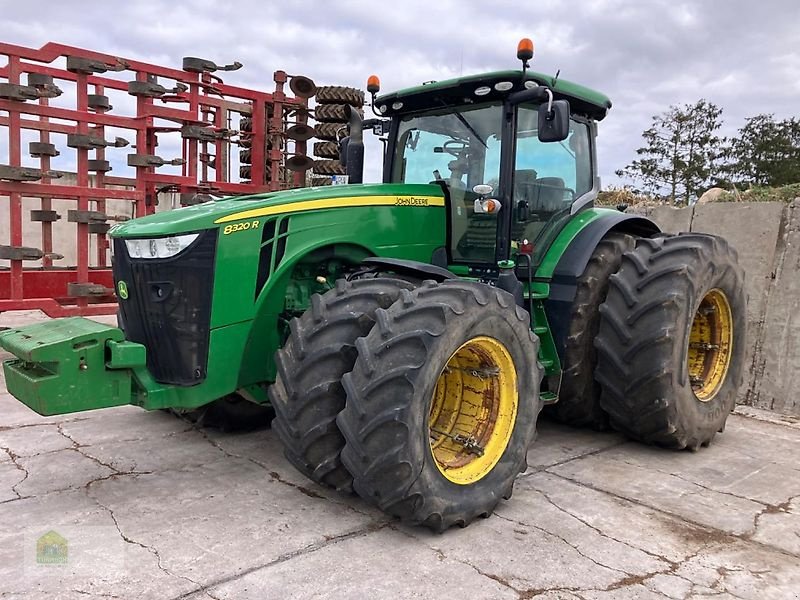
228, 210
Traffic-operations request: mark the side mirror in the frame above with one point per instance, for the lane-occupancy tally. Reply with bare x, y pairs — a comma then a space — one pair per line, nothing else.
554, 123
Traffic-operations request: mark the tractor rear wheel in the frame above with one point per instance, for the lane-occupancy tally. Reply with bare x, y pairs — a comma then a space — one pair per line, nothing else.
579, 397
442, 404
671, 342
307, 393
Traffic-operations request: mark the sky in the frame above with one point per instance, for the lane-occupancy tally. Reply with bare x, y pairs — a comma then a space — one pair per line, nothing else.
743, 55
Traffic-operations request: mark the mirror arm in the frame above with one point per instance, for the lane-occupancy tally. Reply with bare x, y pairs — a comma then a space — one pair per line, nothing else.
539, 93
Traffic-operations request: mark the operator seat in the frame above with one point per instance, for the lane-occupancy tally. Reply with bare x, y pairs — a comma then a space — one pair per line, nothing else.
552, 195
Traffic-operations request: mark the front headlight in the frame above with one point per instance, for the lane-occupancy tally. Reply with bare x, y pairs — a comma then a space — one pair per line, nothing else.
165, 247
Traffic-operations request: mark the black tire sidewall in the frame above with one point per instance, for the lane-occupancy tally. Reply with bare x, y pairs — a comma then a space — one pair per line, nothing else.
706, 417
505, 330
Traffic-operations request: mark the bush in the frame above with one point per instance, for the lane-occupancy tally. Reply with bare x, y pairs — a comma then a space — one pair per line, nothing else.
786, 193
613, 197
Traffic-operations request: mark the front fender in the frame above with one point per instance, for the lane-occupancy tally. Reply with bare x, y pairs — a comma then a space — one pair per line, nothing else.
313, 239
573, 261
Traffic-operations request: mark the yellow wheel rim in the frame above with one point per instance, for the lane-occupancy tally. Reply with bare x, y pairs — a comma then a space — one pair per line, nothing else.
473, 410
710, 345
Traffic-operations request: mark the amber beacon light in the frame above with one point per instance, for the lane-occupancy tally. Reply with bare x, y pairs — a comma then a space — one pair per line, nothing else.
525, 49
373, 84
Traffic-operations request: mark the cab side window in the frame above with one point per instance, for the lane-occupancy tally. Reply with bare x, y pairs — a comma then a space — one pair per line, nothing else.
548, 176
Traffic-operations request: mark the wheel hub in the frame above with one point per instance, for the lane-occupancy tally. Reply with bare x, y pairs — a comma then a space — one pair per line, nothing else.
710, 345
473, 410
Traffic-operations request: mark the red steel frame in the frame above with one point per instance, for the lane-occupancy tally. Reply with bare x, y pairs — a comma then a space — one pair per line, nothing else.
207, 102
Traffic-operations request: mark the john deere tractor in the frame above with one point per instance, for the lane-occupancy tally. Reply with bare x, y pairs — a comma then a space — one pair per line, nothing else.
407, 334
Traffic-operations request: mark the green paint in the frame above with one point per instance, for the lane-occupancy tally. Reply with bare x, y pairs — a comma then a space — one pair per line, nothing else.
122, 290
565, 237
60, 366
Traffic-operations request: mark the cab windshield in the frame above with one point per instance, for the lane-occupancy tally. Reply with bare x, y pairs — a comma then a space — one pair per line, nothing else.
460, 147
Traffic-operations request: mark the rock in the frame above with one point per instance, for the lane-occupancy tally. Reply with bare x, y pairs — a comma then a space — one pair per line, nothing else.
712, 195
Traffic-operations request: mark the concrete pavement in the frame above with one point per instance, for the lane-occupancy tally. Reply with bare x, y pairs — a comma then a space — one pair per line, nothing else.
151, 507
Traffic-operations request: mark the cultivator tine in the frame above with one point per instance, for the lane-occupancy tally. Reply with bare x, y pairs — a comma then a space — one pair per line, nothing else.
151, 160
18, 93
8, 173
88, 66
90, 142
152, 89
44, 85
202, 65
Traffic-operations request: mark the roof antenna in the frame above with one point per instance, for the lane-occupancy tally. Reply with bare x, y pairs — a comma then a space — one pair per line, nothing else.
555, 79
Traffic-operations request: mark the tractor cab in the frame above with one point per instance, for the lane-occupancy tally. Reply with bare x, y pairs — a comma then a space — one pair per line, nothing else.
514, 152
495, 171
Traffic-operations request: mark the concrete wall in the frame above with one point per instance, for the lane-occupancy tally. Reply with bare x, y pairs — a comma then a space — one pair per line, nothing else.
767, 238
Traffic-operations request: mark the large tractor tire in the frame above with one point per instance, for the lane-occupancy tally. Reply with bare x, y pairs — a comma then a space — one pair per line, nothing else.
579, 397
326, 149
307, 393
333, 94
442, 404
333, 113
328, 167
330, 131
671, 342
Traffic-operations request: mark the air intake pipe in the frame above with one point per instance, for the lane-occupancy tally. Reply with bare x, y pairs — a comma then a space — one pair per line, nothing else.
351, 148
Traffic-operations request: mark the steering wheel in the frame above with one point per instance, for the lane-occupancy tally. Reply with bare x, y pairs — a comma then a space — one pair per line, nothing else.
455, 147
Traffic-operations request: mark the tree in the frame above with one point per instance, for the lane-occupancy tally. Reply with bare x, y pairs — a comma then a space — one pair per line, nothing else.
681, 152
765, 152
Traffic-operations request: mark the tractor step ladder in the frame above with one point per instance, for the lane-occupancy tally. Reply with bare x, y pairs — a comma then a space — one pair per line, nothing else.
547, 345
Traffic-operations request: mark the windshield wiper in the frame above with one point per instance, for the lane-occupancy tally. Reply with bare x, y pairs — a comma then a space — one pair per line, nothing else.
464, 122
468, 126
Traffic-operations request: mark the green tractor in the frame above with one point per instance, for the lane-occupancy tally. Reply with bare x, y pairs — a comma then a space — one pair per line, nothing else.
407, 334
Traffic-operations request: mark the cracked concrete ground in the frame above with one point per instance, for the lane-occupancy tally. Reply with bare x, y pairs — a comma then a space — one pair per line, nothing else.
159, 509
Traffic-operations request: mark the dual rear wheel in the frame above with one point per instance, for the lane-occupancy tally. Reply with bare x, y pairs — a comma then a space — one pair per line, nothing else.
657, 339
428, 408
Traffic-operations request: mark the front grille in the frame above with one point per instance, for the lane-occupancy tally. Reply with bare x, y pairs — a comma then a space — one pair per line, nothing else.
168, 308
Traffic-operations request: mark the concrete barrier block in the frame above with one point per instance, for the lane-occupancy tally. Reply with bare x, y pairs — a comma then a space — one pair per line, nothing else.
752, 228
673, 220
775, 379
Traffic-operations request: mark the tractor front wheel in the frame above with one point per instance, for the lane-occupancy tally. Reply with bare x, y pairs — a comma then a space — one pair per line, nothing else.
671, 342
307, 393
442, 404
